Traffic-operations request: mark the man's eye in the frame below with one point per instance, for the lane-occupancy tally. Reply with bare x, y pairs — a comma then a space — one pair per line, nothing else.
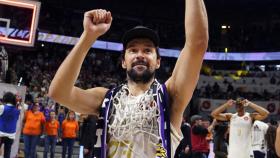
147, 50
133, 51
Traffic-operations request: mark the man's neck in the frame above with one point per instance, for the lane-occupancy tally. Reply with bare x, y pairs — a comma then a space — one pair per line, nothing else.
138, 88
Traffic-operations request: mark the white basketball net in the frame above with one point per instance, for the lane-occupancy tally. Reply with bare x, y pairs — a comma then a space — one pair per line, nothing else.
134, 115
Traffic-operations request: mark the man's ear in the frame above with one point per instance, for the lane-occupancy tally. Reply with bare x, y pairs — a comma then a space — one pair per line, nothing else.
158, 63
123, 64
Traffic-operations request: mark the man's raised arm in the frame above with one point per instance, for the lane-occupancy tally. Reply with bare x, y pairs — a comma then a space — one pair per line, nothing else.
217, 113
185, 75
62, 89
260, 114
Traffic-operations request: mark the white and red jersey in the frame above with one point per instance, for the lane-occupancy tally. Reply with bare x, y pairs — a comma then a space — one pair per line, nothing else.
240, 136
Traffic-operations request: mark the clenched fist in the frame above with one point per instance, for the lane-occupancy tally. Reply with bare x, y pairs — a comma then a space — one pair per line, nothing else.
230, 103
97, 22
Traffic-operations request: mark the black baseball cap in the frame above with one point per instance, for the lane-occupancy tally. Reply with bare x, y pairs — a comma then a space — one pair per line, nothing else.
140, 32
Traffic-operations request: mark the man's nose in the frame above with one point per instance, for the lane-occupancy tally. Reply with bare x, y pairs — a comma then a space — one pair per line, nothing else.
140, 54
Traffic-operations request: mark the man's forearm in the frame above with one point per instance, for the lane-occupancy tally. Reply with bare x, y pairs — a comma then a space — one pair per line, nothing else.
68, 72
262, 111
219, 110
196, 23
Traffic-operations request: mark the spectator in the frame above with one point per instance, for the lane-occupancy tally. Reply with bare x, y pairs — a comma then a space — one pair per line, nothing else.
271, 140
88, 138
206, 123
216, 88
51, 131
200, 146
61, 117
70, 129
259, 143
220, 140
230, 88
208, 90
32, 129
185, 146
47, 110
9, 115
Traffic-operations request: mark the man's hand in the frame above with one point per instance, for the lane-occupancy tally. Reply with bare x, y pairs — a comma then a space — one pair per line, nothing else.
187, 149
245, 102
97, 22
230, 103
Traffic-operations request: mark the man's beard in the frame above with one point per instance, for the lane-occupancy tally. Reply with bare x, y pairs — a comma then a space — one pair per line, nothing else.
144, 77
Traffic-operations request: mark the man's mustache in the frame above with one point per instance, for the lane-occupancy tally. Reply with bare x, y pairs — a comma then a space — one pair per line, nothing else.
140, 62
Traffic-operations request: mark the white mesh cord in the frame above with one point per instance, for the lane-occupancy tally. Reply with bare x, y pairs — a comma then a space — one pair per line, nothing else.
132, 116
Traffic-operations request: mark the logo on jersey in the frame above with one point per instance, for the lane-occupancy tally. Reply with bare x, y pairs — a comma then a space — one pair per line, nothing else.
246, 118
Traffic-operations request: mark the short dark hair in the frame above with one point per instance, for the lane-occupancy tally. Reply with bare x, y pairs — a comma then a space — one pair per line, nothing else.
9, 97
239, 100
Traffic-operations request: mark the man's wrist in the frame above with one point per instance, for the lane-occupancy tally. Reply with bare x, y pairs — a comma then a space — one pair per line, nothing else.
248, 103
87, 36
